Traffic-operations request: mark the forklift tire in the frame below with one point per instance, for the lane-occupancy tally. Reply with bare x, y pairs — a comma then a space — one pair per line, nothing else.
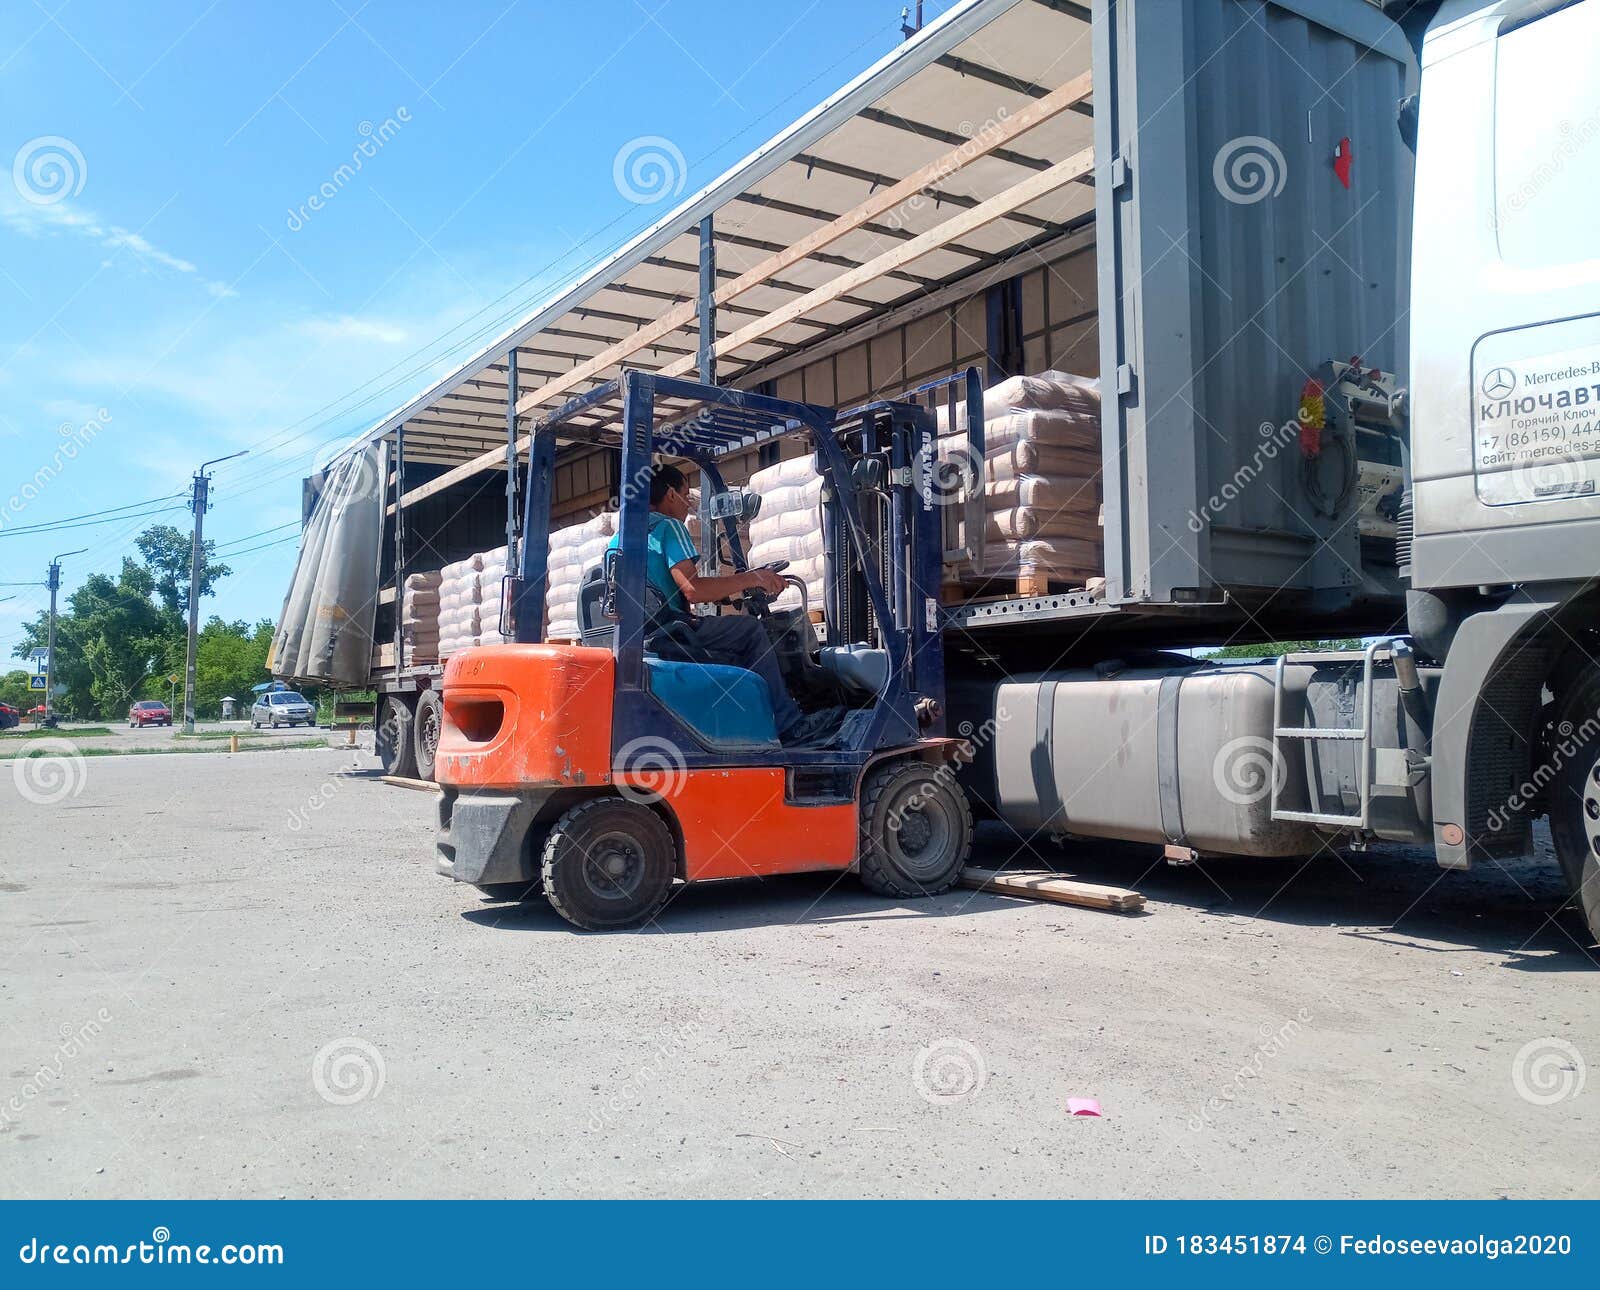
428, 721
916, 830
608, 863
1575, 794
392, 739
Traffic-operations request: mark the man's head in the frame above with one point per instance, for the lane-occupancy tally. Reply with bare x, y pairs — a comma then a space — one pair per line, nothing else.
669, 492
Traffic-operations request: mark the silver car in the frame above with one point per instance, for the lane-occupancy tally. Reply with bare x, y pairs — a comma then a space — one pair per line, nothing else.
281, 708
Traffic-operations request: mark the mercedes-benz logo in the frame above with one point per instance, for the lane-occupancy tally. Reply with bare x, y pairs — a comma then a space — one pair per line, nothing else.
1499, 383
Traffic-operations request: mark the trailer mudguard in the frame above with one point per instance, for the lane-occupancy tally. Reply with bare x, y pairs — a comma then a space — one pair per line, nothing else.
1485, 727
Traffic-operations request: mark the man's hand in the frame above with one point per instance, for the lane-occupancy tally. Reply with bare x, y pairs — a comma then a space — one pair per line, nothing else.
764, 580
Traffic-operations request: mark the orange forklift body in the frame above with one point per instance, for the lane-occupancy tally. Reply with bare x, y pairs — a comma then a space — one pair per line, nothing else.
520, 717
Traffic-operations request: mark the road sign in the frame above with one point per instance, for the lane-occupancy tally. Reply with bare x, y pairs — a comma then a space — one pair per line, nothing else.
172, 679
36, 681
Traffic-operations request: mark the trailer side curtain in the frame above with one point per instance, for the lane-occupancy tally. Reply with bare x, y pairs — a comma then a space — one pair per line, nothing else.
326, 629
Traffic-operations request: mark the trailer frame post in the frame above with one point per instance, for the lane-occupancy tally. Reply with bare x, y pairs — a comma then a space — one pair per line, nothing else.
511, 458
399, 543
706, 359
527, 610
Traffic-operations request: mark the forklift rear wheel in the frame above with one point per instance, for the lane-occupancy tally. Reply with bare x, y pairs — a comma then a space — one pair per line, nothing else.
1575, 794
392, 739
429, 721
916, 830
608, 863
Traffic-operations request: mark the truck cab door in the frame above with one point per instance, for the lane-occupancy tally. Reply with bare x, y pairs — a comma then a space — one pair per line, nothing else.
1505, 327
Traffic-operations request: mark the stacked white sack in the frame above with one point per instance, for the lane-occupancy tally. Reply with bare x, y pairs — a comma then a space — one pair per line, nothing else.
574, 550
789, 526
419, 618
459, 605
1041, 477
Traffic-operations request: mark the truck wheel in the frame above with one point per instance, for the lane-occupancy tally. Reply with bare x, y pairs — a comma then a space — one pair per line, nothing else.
425, 733
1575, 792
916, 830
608, 863
392, 739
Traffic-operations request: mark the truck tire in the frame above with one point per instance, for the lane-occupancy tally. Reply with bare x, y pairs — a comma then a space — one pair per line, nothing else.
392, 739
425, 729
1575, 792
916, 830
608, 863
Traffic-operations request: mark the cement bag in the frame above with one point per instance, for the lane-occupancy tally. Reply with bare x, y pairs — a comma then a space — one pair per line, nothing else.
1046, 391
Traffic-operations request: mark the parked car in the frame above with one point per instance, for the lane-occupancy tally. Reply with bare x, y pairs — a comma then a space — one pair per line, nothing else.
149, 712
281, 708
9, 716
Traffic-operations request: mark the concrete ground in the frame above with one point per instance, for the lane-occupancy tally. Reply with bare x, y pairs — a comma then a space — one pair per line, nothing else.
124, 739
239, 976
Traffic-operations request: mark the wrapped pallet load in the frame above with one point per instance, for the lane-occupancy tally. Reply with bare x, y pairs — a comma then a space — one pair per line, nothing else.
458, 605
574, 551
789, 526
419, 618
1041, 481
491, 589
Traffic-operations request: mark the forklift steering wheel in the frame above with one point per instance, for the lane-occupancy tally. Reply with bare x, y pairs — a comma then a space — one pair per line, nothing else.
757, 603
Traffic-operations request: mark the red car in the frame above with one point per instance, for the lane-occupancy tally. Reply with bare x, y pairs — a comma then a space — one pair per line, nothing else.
149, 712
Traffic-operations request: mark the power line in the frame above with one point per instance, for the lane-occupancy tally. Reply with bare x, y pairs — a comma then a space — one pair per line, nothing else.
239, 541
44, 525
112, 519
293, 537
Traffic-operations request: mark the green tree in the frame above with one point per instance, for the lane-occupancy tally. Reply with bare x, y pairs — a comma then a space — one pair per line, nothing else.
111, 638
166, 553
1271, 649
229, 659
14, 690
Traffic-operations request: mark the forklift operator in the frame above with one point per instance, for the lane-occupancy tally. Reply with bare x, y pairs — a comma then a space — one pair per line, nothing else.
672, 567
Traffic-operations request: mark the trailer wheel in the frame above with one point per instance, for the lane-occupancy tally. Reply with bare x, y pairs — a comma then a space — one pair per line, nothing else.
916, 830
392, 738
608, 863
1575, 792
425, 731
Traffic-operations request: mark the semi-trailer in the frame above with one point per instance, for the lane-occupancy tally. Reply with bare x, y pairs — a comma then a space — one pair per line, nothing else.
1333, 269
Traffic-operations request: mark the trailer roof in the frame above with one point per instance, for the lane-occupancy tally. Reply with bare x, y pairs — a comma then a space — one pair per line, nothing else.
966, 145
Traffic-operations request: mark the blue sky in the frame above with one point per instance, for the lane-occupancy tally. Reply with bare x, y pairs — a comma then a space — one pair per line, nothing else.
168, 292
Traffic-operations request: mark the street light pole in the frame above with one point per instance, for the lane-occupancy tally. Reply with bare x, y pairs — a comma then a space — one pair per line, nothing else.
197, 503
53, 581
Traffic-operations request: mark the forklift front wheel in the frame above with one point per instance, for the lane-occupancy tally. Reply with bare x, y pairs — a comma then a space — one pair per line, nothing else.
916, 829
608, 863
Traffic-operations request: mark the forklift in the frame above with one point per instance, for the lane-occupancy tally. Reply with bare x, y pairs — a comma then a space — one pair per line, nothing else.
604, 772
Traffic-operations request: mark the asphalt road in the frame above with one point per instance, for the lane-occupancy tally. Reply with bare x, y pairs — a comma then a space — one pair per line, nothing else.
239, 976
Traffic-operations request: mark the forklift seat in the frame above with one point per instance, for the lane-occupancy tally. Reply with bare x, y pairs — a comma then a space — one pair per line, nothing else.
861, 668
725, 706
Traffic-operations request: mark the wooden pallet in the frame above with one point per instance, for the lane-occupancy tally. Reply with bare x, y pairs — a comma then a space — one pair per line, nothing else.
1042, 884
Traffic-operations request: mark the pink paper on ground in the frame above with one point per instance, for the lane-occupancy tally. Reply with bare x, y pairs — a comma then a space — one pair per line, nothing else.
1083, 1106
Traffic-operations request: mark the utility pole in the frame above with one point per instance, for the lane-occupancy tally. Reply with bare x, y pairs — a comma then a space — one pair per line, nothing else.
198, 502
53, 581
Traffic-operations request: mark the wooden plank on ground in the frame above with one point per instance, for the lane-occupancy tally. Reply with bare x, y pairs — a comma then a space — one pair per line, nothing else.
400, 781
1041, 884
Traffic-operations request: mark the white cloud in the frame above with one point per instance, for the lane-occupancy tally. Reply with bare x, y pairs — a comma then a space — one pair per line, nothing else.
63, 218
347, 327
